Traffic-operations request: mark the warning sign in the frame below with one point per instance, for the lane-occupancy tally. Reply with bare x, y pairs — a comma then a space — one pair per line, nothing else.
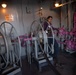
9, 17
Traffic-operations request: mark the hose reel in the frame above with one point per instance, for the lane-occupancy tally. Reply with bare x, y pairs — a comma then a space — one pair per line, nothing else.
10, 48
38, 32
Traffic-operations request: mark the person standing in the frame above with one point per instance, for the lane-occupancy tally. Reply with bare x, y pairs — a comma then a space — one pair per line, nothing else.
47, 25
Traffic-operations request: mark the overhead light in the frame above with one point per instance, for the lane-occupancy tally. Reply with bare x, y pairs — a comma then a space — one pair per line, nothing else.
59, 5
56, 4
4, 5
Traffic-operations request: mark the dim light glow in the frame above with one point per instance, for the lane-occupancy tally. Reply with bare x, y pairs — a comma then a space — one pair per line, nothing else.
56, 4
41, 8
4, 5
4, 11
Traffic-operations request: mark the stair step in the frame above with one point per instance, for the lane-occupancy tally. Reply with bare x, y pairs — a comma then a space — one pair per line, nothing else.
44, 60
